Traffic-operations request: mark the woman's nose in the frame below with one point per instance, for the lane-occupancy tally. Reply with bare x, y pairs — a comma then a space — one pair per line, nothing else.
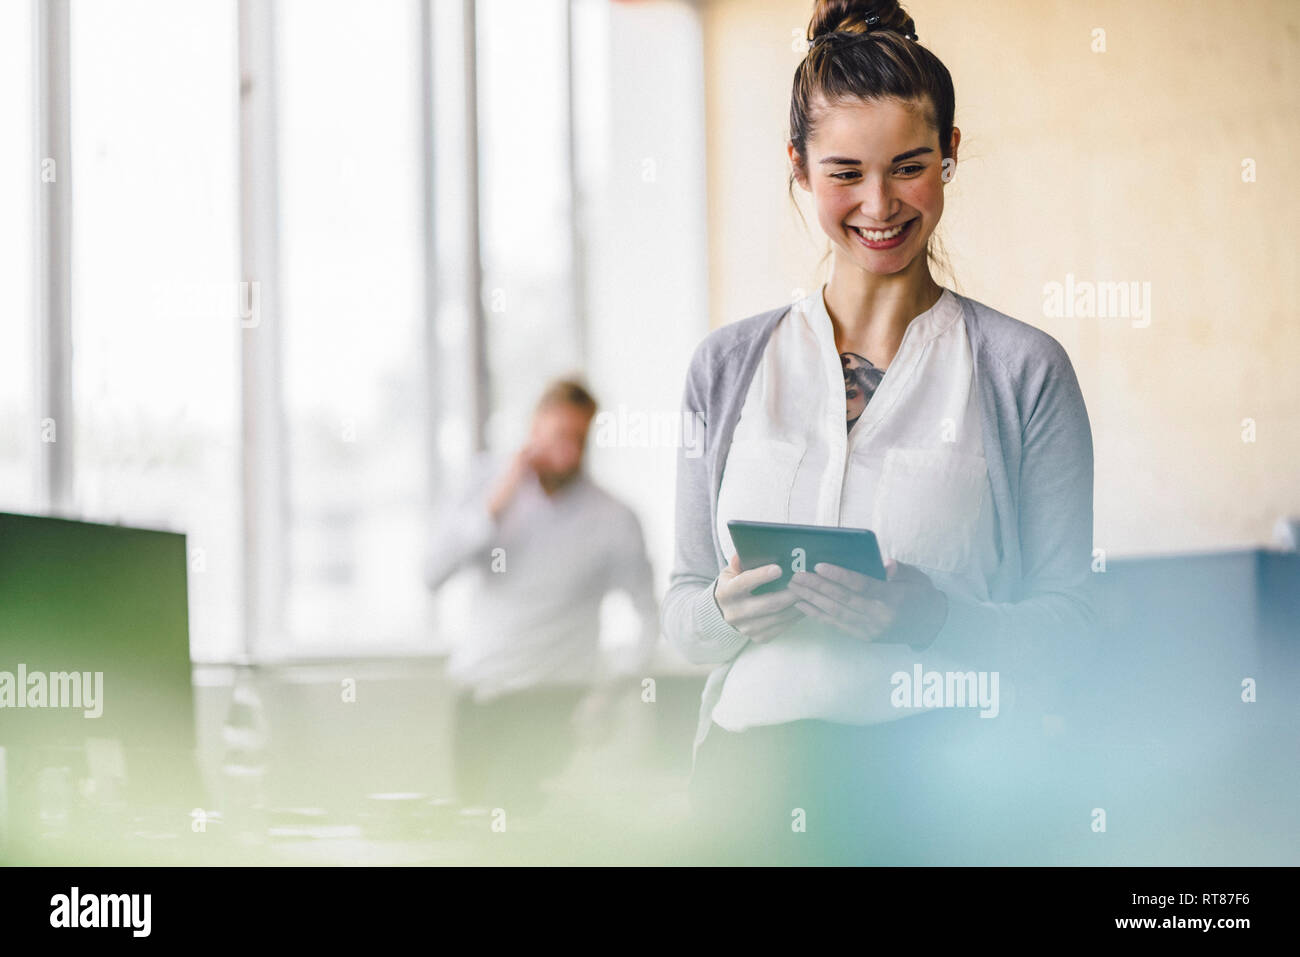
876, 204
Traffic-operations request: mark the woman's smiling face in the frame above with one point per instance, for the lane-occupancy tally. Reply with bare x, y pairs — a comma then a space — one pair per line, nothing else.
874, 167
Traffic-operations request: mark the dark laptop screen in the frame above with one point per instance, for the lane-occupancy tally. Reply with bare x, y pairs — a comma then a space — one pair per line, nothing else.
94, 635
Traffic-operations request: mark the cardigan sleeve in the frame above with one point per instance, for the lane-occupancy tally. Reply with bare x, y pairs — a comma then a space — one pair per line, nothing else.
1055, 614
692, 621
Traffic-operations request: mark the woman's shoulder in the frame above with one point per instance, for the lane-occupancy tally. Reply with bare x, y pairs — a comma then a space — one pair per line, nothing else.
728, 345
1015, 345
1027, 370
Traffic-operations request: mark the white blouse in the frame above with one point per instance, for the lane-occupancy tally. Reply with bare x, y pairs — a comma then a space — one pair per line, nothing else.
912, 469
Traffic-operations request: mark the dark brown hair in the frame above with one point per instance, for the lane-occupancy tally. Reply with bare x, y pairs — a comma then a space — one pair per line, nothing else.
843, 65
569, 390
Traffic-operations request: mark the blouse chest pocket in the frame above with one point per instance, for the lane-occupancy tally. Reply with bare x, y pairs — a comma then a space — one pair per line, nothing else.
928, 505
757, 479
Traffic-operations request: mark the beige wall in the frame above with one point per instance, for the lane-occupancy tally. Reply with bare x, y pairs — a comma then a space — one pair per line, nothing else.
1124, 165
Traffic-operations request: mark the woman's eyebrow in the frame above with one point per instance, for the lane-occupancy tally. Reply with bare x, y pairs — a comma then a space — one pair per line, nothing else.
848, 161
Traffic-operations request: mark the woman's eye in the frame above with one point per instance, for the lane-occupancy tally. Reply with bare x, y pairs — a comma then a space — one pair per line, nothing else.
908, 170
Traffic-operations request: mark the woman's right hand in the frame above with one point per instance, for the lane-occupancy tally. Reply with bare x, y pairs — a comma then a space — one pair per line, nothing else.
759, 618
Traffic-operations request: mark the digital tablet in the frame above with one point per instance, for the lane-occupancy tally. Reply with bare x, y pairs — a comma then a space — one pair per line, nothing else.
801, 547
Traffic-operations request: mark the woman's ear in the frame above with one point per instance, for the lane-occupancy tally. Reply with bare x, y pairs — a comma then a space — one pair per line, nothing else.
796, 163
949, 167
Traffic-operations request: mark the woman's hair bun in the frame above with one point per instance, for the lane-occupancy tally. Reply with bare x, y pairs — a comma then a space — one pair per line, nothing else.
855, 16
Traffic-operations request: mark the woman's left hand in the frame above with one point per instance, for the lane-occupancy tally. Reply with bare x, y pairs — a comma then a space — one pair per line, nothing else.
905, 608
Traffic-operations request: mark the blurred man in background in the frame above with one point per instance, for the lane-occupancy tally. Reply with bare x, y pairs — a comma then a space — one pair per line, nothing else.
545, 544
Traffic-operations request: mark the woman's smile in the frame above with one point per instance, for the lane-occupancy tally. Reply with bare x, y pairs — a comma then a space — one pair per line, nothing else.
884, 238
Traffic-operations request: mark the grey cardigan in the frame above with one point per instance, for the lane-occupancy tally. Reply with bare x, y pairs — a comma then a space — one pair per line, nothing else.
1038, 445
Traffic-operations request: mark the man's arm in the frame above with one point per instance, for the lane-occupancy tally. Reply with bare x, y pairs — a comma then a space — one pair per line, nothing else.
464, 528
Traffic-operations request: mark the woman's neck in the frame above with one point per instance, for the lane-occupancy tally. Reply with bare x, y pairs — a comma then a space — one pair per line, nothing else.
871, 313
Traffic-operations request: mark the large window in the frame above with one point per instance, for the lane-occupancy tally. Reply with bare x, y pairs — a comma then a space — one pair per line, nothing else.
155, 299
351, 258
527, 207
328, 157
19, 178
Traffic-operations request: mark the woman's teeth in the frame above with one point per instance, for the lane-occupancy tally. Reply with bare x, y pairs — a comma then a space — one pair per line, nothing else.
879, 235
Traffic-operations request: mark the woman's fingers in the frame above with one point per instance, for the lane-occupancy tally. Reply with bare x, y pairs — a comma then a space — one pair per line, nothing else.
770, 603
816, 586
748, 581
856, 582
738, 589
734, 588
731, 571
783, 618
777, 616
850, 601
856, 626
835, 605
756, 610
830, 607
772, 625
812, 611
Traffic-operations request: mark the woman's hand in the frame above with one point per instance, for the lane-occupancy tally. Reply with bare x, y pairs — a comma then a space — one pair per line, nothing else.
905, 608
759, 618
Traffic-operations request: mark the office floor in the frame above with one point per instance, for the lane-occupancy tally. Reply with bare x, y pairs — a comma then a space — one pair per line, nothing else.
364, 748
368, 781
1172, 796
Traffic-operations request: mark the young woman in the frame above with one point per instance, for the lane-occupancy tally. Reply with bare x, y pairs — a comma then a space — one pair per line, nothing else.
882, 401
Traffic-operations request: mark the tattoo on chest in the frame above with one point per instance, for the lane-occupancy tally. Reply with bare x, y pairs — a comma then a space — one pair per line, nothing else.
861, 378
